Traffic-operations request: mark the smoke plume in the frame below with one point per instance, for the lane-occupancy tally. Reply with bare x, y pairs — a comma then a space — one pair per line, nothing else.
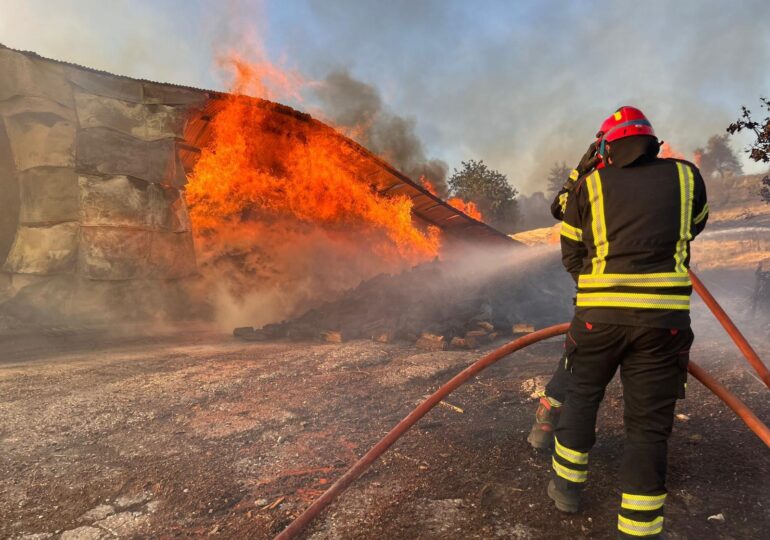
358, 109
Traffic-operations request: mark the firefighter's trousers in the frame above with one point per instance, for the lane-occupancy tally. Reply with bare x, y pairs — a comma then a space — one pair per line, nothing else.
653, 370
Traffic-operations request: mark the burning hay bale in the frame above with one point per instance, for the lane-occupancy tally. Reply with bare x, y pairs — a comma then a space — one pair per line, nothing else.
439, 305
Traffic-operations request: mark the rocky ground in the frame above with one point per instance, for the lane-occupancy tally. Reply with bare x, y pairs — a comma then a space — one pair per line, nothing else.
193, 434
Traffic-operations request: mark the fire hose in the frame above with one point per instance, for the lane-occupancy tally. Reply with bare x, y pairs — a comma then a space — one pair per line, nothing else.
360, 466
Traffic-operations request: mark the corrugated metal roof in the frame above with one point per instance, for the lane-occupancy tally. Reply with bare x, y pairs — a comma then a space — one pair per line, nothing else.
387, 178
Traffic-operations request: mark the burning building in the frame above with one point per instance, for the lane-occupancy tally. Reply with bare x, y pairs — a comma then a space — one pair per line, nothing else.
119, 194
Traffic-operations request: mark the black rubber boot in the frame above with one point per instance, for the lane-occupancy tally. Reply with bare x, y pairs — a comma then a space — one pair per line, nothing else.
566, 498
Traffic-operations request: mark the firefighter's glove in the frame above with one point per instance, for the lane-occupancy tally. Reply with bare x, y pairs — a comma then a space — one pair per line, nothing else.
589, 160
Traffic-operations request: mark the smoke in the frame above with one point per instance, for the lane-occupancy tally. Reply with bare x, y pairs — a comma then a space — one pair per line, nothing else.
524, 85
358, 109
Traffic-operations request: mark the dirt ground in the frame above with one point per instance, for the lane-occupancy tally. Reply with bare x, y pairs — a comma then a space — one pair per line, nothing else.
195, 434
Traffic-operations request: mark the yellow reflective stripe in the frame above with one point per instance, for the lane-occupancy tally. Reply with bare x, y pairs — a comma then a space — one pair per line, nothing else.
686, 191
633, 300
573, 456
573, 233
660, 279
642, 502
569, 474
563, 201
598, 225
640, 528
574, 175
703, 213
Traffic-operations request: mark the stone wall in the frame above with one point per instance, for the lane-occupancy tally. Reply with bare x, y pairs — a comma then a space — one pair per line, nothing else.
91, 176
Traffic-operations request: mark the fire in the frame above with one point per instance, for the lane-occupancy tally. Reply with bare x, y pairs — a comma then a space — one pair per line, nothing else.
469, 208
667, 152
261, 166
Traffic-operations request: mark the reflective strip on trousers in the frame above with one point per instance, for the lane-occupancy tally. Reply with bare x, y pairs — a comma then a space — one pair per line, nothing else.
640, 528
661, 279
686, 191
573, 233
644, 503
573, 456
573, 475
633, 300
598, 224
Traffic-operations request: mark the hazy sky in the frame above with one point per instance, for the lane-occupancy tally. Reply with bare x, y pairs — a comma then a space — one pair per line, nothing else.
517, 84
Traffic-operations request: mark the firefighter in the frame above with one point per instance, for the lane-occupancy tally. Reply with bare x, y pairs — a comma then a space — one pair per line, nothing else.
625, 238
552, 397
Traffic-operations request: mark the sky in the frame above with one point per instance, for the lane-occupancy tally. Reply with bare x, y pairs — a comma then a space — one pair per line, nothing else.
519, 84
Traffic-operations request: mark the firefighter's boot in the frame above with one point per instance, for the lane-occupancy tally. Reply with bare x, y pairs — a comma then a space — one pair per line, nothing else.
546, 417
565, 495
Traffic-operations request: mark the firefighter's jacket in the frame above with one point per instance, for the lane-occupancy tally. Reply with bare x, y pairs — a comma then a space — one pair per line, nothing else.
625, 238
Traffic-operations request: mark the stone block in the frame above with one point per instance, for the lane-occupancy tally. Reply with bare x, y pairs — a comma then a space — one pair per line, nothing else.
43, 250
113, 253
41, 139
48, 195
146, 122
122, 201
117, 253
173, 95
172, 255
26, 75
104, 84
107, 152
30, 104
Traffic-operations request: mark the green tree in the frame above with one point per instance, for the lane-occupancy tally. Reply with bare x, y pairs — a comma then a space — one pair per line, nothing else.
489, 189
718, 158
557, 177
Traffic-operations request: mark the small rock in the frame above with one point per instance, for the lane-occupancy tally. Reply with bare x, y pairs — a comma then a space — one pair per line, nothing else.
332, 337
431, 342
85, 533
124, 524
124, 501
261, 502
97, 513
682, 417
523, 328
717, 518
484, 325
152, 506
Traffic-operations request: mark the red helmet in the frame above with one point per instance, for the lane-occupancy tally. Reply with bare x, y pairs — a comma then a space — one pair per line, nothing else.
625, 122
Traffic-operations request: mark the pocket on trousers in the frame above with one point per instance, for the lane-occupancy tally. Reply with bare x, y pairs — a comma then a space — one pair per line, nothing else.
683, 362
570, 347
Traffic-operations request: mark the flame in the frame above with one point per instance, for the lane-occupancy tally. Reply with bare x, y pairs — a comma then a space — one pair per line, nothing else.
667, 152
469, 208
261, 166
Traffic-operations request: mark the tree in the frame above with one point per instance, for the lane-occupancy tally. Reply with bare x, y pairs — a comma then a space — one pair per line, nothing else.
759, 150
557, 177
489, 189
718, 158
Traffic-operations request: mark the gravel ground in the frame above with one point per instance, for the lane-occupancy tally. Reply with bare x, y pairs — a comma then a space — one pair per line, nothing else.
193, 434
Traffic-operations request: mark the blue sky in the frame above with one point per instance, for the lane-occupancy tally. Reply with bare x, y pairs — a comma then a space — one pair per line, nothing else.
518, 84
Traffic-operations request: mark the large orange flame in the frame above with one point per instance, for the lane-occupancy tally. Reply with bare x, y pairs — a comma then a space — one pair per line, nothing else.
261, 164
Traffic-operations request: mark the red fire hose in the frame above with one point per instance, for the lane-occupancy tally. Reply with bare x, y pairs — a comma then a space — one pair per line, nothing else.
747, 350
299, 524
